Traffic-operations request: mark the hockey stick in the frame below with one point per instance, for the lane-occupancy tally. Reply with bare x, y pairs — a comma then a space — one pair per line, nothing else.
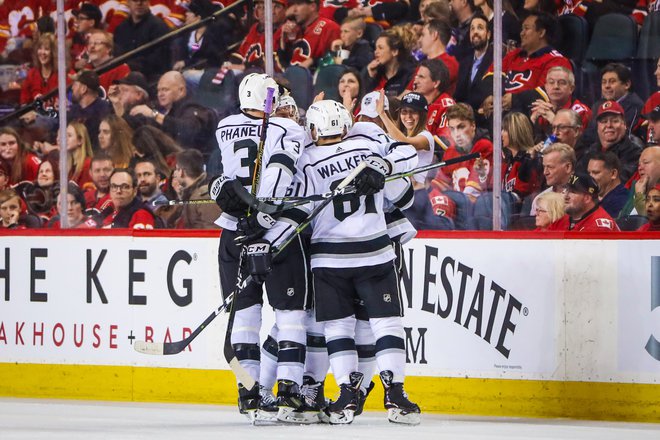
168, 348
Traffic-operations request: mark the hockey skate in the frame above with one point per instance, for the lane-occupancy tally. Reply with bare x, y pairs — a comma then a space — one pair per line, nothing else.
267, 411
248, 401
342, 410
362, 398
399, 408
313, 398
289, 401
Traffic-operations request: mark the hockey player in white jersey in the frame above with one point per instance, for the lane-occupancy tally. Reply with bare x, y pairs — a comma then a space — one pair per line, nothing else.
352, 257
238, 138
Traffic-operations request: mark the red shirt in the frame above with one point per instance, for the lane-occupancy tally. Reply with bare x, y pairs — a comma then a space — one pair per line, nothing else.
452, 66
462, 176
35, 85
315, 41
436, 123
93, 202
30, 168
578, 107
511, 182
252, 49
141, 219
597, 220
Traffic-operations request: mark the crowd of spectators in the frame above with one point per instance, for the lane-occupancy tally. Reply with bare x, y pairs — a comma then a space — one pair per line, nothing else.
142, 133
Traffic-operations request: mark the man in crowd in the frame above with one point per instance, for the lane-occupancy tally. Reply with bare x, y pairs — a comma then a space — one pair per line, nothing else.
604, 168
648, 171
100, 47
129, 211
432, 81
149, 179
87, 17
127, 93
653, 130
558, 166
192, 184
309, 37
462, 11
613, 137
98, 198
190, 124
567, 126
88, 107
583, 212
139, 28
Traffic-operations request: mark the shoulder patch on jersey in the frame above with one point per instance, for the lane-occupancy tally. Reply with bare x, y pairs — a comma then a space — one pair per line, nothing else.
604, 223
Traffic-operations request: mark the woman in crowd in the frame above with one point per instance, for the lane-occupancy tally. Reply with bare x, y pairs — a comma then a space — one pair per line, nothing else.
520, 175
115, 139
350, 90
549, 209
79, 154
24, 164
75, 211
652, 209
42, 77
392, 67
40, 194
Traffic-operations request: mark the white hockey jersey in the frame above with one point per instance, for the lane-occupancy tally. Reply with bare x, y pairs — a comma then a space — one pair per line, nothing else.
238, 139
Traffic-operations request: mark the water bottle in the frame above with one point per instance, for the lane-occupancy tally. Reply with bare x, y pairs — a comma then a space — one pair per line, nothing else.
551, 139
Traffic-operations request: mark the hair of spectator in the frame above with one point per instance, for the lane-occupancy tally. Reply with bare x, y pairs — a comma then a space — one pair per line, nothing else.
470, 4
401, 39
571, 76
121, 148
555, 203
52, 159
609, 159
78, 156
46, 25
191, 162
101, 156
17, 164
520, 130
506, 6
128, 171
575, 118
49, 41
622, 72
418, 128
438, 11
7, 194
547, 22
441, 28
566, 152
109, 41
439, 72
479, 16
460, 111
356, 73
357, 23
77, 193
162, 173
154, 143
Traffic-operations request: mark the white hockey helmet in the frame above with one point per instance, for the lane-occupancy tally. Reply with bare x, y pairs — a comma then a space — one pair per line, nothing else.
288, 101
327, 118
347, 118
253, 89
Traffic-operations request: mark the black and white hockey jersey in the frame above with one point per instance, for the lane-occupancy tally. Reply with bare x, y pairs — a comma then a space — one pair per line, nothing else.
238, 139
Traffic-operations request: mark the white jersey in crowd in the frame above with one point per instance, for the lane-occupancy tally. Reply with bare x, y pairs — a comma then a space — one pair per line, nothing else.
238, 139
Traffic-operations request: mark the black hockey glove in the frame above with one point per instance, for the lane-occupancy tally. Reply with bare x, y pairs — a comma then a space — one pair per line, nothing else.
259, 259
253, 227
372, 179
222, 190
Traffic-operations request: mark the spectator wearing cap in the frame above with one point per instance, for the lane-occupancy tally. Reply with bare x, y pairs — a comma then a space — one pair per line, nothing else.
432, 81
369, 109
128, 92
100, 50
433, 43
613, 137
190, 124
558, 166
139, 28
615, 85
75, 210
306, 38
129, 211
653, 129
351, 49
88, 106
87, 17
604, 168
652, 209
583, 213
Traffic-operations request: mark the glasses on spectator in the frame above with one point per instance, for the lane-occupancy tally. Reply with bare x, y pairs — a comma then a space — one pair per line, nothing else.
8, 144
561, 127
541, 210
118, 188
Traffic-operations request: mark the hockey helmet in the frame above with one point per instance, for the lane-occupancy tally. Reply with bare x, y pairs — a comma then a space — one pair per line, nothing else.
326, 118
253, 89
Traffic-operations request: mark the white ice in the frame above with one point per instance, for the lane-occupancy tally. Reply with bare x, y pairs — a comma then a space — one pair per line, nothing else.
22, 419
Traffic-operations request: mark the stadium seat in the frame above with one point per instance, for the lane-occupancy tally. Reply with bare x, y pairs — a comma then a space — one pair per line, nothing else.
301, 85
614, 39
523, 223
483, 211
372, 32
631, 223
647, 53
327, 79
463, 219
574, 37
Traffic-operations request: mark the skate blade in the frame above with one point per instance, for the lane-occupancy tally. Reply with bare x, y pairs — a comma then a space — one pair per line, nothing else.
266, 416
251, 415
290, 415
396, 415
343, 417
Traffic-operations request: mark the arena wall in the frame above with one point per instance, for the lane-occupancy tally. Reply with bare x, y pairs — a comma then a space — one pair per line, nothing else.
501, 324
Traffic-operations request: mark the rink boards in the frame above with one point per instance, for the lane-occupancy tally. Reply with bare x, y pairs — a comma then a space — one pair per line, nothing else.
515, 324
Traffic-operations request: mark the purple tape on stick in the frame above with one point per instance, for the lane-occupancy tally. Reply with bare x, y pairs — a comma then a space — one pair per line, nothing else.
269, 100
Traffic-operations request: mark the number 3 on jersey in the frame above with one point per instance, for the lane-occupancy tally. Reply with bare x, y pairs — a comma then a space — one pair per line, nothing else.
247, 162
347, 204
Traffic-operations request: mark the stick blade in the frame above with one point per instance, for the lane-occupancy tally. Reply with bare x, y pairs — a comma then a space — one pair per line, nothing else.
153, 348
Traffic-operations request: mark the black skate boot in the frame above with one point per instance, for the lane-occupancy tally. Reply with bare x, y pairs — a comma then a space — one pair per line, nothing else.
342, 410
399, 408
267, 405
314, 402
362, 397
288, 400
248, 401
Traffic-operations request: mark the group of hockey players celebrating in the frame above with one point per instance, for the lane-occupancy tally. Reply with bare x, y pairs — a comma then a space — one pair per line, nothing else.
334, 287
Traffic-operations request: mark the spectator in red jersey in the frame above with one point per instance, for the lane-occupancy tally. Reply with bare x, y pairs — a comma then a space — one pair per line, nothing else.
42, 77
129, 211
79, 154
75, 210
652, 209
583, 213
351, 49
470, 177
100, 49
520, 175
308, 37
97, 198
432, 81
351, 90
604, 168
550, 209
392, 67
88, 105
433, 43
87, 17
24, 164
558, 166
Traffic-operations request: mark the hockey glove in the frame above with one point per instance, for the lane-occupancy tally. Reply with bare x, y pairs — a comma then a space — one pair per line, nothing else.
372, 179
259, 259
221, 189
254, 227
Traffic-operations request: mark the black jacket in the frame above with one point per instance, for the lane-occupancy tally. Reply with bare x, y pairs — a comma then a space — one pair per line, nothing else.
191, 125
626, 150
130, 35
